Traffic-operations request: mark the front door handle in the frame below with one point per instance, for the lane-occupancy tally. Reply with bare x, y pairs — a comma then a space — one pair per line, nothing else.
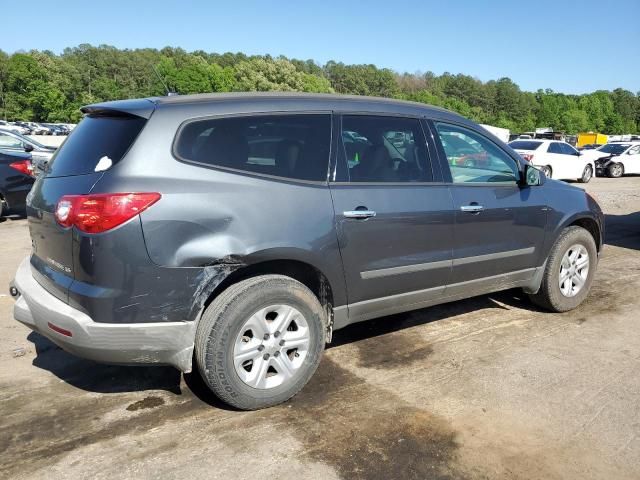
359, 214
473, 208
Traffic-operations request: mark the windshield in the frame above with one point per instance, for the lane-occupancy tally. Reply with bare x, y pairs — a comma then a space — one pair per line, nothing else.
614, 148
525, 145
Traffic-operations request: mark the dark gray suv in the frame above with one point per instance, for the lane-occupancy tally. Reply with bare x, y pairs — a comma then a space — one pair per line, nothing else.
237, 231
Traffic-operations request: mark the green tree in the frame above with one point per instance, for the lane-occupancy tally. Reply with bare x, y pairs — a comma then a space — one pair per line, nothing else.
41, 85
262, 74
361, 79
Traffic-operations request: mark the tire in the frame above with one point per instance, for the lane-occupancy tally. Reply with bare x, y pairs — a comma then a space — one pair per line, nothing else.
615, 170
547, 171
551, 296
587, 174
223, 331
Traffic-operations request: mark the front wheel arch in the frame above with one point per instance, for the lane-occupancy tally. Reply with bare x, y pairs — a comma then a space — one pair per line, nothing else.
591, 226
586, 222
550, 295
584, 171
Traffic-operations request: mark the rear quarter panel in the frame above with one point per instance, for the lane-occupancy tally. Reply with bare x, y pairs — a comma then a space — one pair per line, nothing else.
208, 216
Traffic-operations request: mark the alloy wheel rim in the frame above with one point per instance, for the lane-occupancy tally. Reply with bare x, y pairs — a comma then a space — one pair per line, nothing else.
587, 173
574, 270
271, 347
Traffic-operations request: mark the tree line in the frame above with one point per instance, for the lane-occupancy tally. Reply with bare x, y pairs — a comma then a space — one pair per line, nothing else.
43, 86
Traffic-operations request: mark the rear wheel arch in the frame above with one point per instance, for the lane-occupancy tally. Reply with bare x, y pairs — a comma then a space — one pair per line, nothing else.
310, 276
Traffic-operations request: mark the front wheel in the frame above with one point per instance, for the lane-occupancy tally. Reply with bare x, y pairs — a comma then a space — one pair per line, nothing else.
569, 271
260, 341
615, 170
586, 174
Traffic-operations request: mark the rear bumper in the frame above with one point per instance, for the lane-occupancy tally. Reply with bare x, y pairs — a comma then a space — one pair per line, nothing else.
161, 343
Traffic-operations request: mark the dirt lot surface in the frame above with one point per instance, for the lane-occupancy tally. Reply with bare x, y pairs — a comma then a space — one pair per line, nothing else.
484, 388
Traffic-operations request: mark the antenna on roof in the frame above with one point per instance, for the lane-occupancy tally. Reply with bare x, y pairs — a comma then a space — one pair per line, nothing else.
166, 88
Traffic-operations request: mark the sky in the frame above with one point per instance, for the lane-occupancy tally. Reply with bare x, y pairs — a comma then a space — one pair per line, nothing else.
567, 46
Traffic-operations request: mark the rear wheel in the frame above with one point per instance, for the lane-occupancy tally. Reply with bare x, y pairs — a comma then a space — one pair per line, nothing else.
586, 174
260, 341
569, 271
547, 171
615, 170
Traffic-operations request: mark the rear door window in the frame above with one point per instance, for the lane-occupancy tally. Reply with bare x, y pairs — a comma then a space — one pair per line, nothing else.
555, 147
567, 149
97, 143
385, 149
293, 146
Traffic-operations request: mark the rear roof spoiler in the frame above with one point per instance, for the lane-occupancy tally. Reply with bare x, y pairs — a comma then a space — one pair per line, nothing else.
140, 108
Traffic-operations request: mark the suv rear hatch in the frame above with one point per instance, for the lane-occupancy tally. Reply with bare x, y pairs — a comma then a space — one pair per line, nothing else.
101, 140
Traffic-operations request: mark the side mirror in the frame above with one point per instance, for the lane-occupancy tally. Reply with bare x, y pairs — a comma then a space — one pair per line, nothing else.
28, 147
532, 176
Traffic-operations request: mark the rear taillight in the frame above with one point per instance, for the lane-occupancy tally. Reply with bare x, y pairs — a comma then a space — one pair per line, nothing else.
100, 212
23, 166
527, 156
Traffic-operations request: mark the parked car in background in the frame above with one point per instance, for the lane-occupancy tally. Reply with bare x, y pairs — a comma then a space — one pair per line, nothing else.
34, 128
27, 129
14, 142
556, 159
16, 179
12, 127
622, 158
250, 239
464, 153
57, 129
612, 148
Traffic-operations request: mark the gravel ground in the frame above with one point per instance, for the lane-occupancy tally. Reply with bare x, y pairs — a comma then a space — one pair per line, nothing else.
489, 387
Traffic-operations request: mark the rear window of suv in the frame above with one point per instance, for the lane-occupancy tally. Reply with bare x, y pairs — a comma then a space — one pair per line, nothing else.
525, 145
293, 146
97, 143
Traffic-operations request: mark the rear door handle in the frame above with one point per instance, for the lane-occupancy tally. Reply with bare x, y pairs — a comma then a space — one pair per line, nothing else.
472, 208
359, 214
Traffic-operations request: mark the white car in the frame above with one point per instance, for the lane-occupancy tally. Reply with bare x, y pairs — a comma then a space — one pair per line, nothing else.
14, 142
12, 127
556, 159
617, 159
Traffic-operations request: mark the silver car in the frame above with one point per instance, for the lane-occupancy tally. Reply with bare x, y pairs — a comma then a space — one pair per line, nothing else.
14, 142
